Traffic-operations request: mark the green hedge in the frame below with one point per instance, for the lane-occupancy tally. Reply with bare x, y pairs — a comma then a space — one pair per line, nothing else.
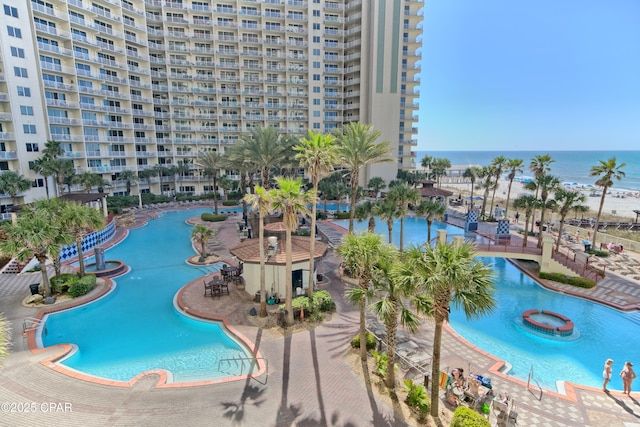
342, 215
581, 282
371, 341
598, 253
209, 217
63, 283
322, 300
230, 203
467, 417
82, 286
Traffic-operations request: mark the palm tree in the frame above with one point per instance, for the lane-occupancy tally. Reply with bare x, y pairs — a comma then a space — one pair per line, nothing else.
568, 200
88, 180
426, 162
388, 212
497, 164
80, 221
376, 184
439, 168
129, 177
160, 170
358, 149
44, 167
210, 162
360, 254
317, 153
64, 171
35, 235
528, 203
201, 234
540, 165
486, 173
261, 201
264, 150
544, 185
606, 171
402, 196
52, 149
514, 166
289, 199
226, 184
13, 183
147, 174
431, 210
448, 274
366, 211
235, 160
472, 173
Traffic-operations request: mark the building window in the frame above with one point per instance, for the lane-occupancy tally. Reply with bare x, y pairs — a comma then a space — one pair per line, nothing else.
29, 129
316, 114
17, 52
316, 89
316, 125
316, 26
316, 52
316, 77
24, 91
316, 39
316, 13
32, 147
316, 102
26, 110
316, 64
10, 11
14, 32
20, 72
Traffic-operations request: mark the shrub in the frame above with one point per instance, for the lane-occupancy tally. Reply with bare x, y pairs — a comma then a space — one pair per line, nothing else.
235, 195
598, 253
303, 232
371, 341
467, 417
416, 396
82, 286
582, 282
230, 203
63, 283
342, 215
381, 363
556, 277
212, 217
322, 300
122, 201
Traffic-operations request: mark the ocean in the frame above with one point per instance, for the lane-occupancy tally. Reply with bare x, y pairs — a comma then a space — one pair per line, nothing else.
570, 166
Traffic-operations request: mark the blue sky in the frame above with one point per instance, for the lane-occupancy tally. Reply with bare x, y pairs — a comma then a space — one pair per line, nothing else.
528, 75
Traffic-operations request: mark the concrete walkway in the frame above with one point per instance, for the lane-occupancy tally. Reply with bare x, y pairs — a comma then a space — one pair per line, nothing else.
309, 381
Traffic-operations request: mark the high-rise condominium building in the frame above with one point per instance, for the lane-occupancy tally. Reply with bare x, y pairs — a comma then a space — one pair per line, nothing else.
130, 84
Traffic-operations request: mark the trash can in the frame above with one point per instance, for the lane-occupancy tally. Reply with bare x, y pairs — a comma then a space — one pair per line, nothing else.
34, 288
587, 247
446, 217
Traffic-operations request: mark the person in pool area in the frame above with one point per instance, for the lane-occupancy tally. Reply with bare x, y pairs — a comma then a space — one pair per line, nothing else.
628, 375
606, 374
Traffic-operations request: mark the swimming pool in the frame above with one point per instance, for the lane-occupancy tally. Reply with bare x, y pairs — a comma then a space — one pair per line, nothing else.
603, 332
136, 327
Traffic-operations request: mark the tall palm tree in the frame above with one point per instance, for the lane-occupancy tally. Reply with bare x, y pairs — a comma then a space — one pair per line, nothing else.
260, 200
514, 166
63, 171
431, 210
88, 180
402, 196
80, 221
210, 162
160, 170
426, 162
376, 184
35, 235
360, 254
439, 168
448, 274
317, 153
147, 174
44, 167
53, 152
12, 183
235, 160
528, 203
545, 185
364, 211
539, 165
497, 165
388, 212
567, 201
129, 177
201, 234
358, 149
472, 173
264, 150
486, 174
291, 200
606, 171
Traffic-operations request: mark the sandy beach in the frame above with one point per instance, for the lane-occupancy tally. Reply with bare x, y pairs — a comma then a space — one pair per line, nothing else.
620, 204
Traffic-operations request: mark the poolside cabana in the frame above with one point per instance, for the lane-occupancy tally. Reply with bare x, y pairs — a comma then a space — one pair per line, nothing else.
275, 259
428, 191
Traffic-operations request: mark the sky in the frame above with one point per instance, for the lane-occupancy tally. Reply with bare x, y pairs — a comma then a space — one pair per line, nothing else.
530, 74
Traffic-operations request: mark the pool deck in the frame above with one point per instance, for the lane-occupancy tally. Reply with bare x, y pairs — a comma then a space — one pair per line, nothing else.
309, 381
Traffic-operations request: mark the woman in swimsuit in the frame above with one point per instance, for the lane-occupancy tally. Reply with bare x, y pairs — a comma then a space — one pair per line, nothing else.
628, 375
606, 374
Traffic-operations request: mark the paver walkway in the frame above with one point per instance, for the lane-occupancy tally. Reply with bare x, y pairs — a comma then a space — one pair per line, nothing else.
309, 382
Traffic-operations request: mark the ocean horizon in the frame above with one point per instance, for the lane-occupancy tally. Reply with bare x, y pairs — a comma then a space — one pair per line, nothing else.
570, 166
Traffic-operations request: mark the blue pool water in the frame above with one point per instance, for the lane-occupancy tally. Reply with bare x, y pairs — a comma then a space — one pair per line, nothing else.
136, 328
603, 332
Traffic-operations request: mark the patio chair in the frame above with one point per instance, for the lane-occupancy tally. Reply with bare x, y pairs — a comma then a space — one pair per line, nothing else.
208, 288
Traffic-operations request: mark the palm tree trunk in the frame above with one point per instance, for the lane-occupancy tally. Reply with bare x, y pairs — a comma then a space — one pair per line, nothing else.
372, 224
506, 208
597, 224
435, 365
288, 281
471, 197
263, 291
401, 232
390, 228
46, 186
215, 199
363, 332
42, 260
354, 192
429, 232
560, 233
80, 256
312, 238
526, 231
542, 212
391, 327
